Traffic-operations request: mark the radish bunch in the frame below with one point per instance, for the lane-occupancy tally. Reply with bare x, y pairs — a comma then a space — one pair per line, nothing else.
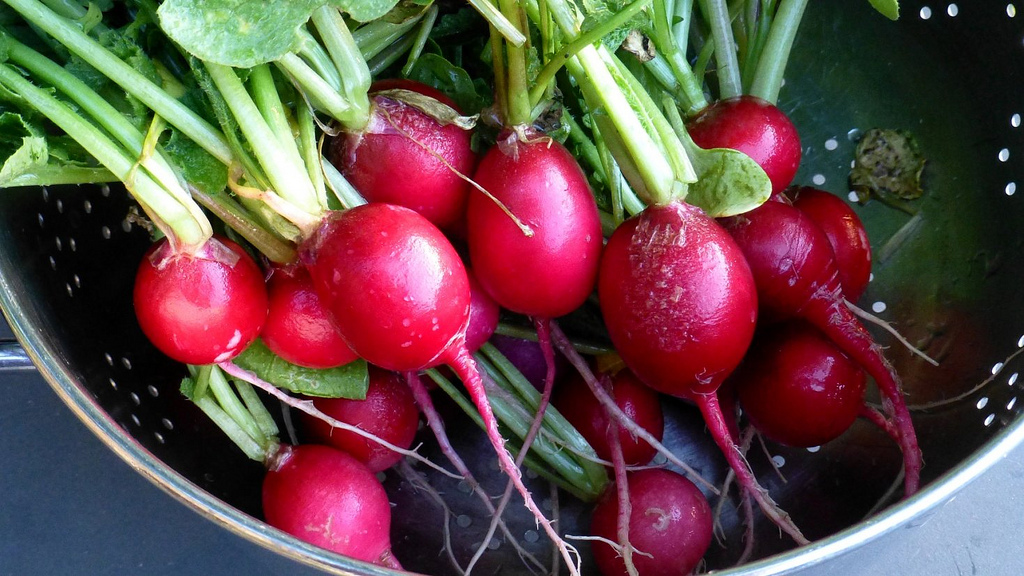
395, 237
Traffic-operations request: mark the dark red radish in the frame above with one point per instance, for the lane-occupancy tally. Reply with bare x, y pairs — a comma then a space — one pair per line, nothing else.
549, 270
797, 388
483, 315
642, 404
528, 358
323, 496
670, 525
796, 275
406, 157
680, 305
400, 297
299, 329
203, 307
845, 233
755, 127
388, 412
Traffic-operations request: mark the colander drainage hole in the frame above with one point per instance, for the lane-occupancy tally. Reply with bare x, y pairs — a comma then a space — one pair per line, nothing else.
878, 307
113, 383
1011, 188
464, 521
126, 363
990, 419
1011, 10
1015, 119
1013, 379
925, 13
778, 460
813, 449
531, 536
167, 424
1004, 155
159, 437
997, 367
982, 402
1011, 403
952, 10
108, 358
135, 420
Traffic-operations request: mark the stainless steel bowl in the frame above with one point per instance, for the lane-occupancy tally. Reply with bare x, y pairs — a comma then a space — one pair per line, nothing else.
947, 276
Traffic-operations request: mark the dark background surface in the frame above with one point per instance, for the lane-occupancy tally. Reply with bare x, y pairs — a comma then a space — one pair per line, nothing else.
69, 505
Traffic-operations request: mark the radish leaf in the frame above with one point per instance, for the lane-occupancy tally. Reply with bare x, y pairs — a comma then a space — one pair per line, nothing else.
348, 381
239, 33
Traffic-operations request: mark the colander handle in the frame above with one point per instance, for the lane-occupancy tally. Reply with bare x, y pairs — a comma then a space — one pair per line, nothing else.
13, 357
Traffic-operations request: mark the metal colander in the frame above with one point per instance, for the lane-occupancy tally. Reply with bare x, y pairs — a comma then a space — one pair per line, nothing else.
947, 274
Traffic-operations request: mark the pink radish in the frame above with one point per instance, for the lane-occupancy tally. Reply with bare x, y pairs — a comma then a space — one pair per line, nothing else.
406, 157
845, 233
796, 275
325, 497
298, 327
200, 307
388, 412
670, 525
797, 388
755, 127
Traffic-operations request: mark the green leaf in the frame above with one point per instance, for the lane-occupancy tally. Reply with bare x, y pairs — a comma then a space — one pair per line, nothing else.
888, 8
22, 148
348, 381
239, 33
454, 82
728, 181
365, 10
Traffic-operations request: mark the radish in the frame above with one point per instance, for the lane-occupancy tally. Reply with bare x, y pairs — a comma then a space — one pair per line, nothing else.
797, 388
845, 233
325, 497
670, 525
298, 328
678, 299
795, 271
202, 307
388, 412
528, 358
755, 127
394, 285
405, 156
574, 400
548, 270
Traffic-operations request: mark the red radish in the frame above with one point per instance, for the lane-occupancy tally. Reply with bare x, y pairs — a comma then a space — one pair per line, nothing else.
203, 307
298, 327
394, 285
388, 412
408, 158
483, 315
680, 305
670, 525
642, 404
678, 299
325, 497
797, 388
845, 233
755, 127
796, 275
400, 296
549, 271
